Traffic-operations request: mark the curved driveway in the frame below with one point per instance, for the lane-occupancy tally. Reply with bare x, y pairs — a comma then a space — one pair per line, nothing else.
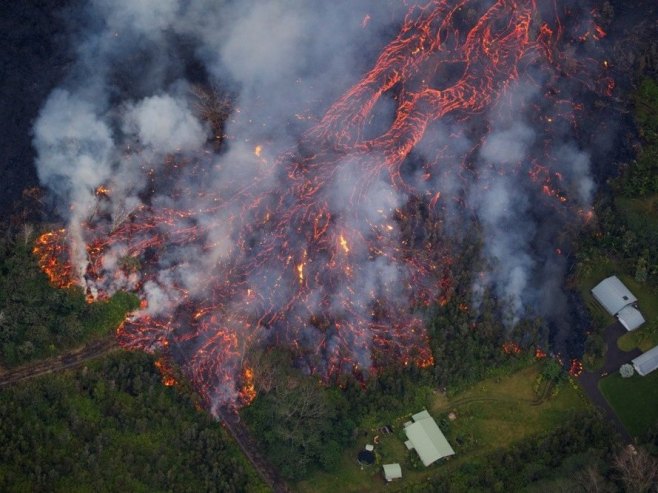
614, 358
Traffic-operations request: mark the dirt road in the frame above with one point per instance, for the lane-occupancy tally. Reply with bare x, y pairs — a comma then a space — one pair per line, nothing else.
64, 361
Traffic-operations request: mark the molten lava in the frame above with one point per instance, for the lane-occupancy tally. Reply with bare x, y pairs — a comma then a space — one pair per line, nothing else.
340, 283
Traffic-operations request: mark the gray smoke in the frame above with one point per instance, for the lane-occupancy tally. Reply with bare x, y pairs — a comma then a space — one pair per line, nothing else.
127, 107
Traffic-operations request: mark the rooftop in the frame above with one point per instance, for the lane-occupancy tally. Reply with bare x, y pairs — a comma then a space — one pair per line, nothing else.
613, 295
392, 471
646, 362
428, 440
630, 317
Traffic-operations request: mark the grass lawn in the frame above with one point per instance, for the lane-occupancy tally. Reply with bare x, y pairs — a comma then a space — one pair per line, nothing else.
635, 400
492, 414
498, 412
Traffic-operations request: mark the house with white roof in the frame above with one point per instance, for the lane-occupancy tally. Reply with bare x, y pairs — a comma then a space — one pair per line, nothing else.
646, 362
392, 471
618, 301
426, 438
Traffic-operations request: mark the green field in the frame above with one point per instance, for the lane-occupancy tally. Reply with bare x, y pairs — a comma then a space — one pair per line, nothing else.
489, 416
635, 400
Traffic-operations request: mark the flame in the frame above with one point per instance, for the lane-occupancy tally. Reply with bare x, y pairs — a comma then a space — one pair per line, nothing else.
248, 391
102, 191
165, 369
343, 244
575, 368
511, 347
51, 251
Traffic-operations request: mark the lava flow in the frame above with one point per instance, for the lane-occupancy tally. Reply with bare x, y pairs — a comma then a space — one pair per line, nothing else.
324, 250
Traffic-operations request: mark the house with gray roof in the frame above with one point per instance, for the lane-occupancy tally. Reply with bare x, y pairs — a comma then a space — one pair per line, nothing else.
618, 301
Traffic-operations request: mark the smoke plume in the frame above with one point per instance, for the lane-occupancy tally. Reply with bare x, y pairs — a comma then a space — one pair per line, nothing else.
289, 220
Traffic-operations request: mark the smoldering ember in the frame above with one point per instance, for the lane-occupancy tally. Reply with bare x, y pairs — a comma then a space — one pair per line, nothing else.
315, 186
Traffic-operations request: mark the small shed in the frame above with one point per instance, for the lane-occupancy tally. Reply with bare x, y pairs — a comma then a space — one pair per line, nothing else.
646, 362
392, 471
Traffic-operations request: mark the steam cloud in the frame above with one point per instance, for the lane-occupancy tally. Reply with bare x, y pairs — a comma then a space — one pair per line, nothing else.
126, 106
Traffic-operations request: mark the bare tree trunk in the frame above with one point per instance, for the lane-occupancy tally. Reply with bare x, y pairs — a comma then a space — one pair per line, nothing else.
637, 469
28, 230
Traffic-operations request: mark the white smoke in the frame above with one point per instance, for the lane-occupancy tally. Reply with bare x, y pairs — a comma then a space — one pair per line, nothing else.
508, 146
125, 108
165, 124
149, 18
518, 233
576, 166
76, 148
507, 241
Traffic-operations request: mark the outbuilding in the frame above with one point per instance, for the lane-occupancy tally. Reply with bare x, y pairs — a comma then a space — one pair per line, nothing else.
427, 439
392, 471
646, 362
618, 301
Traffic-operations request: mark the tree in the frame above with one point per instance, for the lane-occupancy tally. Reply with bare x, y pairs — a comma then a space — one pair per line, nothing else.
90, 430
595, 349
626, 371
638, 471
299, 422
552, 370
590, 480
213, 106
641, 269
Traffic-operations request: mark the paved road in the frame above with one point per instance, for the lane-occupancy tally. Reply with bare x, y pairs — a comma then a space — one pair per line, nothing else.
614, 358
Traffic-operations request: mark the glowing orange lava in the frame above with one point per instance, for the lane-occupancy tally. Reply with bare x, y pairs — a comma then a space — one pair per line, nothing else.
52, 252
248, 392
340, 283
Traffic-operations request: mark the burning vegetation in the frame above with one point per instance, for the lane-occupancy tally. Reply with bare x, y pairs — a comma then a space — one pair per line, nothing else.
334, 245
